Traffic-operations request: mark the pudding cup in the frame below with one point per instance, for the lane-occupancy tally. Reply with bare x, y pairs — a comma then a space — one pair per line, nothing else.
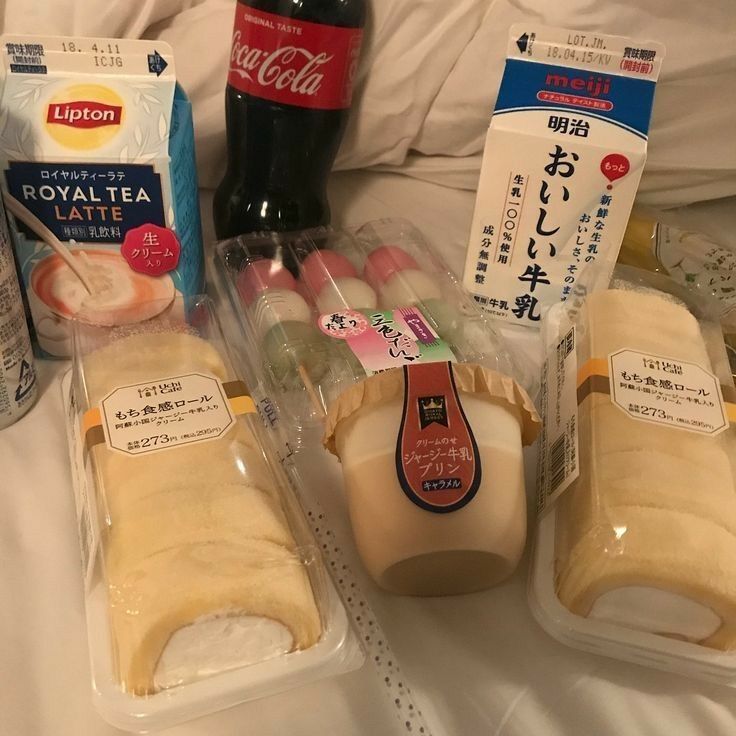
414, 550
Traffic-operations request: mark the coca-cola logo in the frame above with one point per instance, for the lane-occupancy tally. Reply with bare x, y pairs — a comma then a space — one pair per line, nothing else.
287, 67
84, 114
291, 61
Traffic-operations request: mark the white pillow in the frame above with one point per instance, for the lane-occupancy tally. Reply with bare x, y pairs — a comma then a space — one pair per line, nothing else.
409, 49
692, 143
429, 75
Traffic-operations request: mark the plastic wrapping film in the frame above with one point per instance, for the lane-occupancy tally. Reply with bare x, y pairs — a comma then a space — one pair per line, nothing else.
697, 261
285, 290
294, 299
638, 549
205, 587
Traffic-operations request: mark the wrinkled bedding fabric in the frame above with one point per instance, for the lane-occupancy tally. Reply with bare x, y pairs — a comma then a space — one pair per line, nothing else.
429, 75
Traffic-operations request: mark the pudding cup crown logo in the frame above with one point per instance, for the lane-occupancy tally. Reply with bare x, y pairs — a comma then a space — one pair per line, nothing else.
84, 116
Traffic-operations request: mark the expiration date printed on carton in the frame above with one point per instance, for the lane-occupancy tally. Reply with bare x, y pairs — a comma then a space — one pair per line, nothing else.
562, 162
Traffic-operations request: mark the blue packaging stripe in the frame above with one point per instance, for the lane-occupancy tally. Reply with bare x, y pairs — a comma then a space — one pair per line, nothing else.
90, 202
185, 196
631, 99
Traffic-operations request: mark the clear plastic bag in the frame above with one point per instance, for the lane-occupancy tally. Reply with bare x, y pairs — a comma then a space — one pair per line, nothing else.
205, 587
282, 288
633, 558
340, 330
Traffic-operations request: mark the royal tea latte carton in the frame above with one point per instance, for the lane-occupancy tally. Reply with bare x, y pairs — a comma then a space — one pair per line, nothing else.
97, 169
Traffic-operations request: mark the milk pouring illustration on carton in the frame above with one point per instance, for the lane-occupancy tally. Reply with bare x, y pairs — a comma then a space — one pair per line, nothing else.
563, 157
97, 159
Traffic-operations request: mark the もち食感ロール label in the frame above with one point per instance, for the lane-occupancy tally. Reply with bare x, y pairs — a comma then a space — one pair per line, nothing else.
166, 412
662, 390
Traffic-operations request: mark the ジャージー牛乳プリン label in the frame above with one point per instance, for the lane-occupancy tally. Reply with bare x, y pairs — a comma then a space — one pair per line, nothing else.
97, 143
563, 157
438, 465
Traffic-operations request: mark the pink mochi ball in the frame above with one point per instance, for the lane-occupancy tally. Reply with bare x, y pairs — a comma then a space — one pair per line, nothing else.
321, 266
384, 262
261, 275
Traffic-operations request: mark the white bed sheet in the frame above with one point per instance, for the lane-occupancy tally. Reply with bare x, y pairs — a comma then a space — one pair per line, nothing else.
477, 664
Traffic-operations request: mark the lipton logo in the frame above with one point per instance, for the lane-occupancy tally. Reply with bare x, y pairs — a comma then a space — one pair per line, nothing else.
592, 85
84, 114
85, 117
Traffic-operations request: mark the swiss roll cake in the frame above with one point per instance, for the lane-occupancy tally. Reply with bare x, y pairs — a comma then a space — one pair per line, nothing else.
646, 536
202, 568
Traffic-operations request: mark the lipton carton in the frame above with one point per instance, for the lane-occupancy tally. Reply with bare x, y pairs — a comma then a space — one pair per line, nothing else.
97, 169
562, 161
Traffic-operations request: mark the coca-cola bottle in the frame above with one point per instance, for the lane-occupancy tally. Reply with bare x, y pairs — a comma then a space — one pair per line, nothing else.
289, 87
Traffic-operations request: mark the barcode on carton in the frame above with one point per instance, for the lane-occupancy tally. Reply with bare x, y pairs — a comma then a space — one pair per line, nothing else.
557, 465
558, 456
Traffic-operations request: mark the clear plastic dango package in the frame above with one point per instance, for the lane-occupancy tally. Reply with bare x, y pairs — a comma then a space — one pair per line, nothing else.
634, 550
204, 584
365, 343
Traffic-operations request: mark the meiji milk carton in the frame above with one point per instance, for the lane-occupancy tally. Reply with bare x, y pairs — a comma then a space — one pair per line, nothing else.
562, 162
97, 157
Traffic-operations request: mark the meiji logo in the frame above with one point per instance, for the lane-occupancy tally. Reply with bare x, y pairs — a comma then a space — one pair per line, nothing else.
593, 85
84, 114
288, 67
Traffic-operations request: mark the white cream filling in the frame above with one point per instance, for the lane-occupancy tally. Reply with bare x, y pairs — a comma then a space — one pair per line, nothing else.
216, 643
657, 611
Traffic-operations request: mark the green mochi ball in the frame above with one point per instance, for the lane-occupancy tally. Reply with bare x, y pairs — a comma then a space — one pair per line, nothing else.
343, 359
445, 319
287, 345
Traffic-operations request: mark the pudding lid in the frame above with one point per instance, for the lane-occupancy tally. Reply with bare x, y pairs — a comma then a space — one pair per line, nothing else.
470, 378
